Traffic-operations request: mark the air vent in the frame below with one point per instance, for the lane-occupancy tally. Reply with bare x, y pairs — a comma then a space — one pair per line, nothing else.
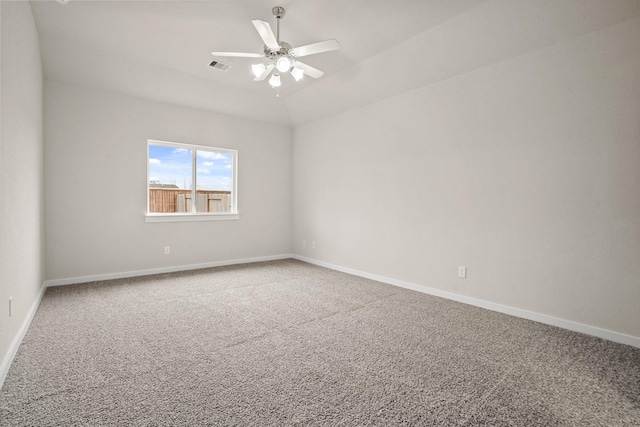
219, 65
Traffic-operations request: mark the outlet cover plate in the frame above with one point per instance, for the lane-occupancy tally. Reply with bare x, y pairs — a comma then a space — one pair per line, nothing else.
462, 271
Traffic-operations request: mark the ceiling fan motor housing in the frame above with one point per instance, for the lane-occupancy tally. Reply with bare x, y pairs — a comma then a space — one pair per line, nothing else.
285, 49
283, 52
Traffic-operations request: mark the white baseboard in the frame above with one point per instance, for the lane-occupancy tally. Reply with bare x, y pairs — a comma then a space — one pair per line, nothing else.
517, 312
172, 269
17, 340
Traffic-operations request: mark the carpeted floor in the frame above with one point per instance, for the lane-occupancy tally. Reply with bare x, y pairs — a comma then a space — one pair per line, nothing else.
288, 343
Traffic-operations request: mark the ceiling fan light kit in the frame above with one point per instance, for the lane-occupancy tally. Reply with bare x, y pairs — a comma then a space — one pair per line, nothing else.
280, 57
274, 81
297, 74
283, 64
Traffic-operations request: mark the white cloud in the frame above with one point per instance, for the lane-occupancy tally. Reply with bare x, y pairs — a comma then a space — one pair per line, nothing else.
207, 164
180, 151
155, 161
212, 155
227, 166
203, 170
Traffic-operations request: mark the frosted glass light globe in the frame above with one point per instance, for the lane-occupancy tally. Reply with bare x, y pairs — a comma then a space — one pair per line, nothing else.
283, 64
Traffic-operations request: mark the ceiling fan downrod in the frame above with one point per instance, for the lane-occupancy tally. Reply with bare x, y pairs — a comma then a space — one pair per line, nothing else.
278, 12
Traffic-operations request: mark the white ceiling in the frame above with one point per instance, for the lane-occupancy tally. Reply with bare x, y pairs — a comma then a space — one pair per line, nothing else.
161, 49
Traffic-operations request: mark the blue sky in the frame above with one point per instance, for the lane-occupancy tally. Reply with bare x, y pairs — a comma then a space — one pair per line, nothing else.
172, 165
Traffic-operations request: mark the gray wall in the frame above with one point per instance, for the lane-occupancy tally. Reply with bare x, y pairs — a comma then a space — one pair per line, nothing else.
21, 188
95, 174
526, 171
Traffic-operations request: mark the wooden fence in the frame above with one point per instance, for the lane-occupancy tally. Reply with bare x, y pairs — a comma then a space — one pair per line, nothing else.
176, 200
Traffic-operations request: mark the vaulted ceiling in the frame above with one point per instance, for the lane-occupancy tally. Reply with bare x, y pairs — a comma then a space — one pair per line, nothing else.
161, 50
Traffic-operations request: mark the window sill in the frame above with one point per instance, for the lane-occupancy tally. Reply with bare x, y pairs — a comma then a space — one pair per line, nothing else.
190, 217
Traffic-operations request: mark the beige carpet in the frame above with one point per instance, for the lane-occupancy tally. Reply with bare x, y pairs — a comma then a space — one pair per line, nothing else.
288, 343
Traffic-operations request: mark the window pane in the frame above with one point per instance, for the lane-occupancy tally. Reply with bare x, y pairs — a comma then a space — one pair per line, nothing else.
214, 181
170, 175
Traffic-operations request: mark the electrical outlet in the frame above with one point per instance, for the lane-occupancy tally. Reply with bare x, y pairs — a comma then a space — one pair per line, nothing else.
313, 244
462, 271
167, 250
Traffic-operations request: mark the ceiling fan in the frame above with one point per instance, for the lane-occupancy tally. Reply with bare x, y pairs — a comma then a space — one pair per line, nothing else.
280, 57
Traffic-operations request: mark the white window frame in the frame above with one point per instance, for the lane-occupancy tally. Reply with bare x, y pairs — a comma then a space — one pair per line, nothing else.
193, 215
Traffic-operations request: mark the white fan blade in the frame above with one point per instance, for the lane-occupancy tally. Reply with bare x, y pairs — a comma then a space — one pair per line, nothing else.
308, 70
266, 34
265, 73
238, 54
313, 48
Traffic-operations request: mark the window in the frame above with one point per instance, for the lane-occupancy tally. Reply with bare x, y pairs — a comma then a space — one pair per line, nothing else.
189, 182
